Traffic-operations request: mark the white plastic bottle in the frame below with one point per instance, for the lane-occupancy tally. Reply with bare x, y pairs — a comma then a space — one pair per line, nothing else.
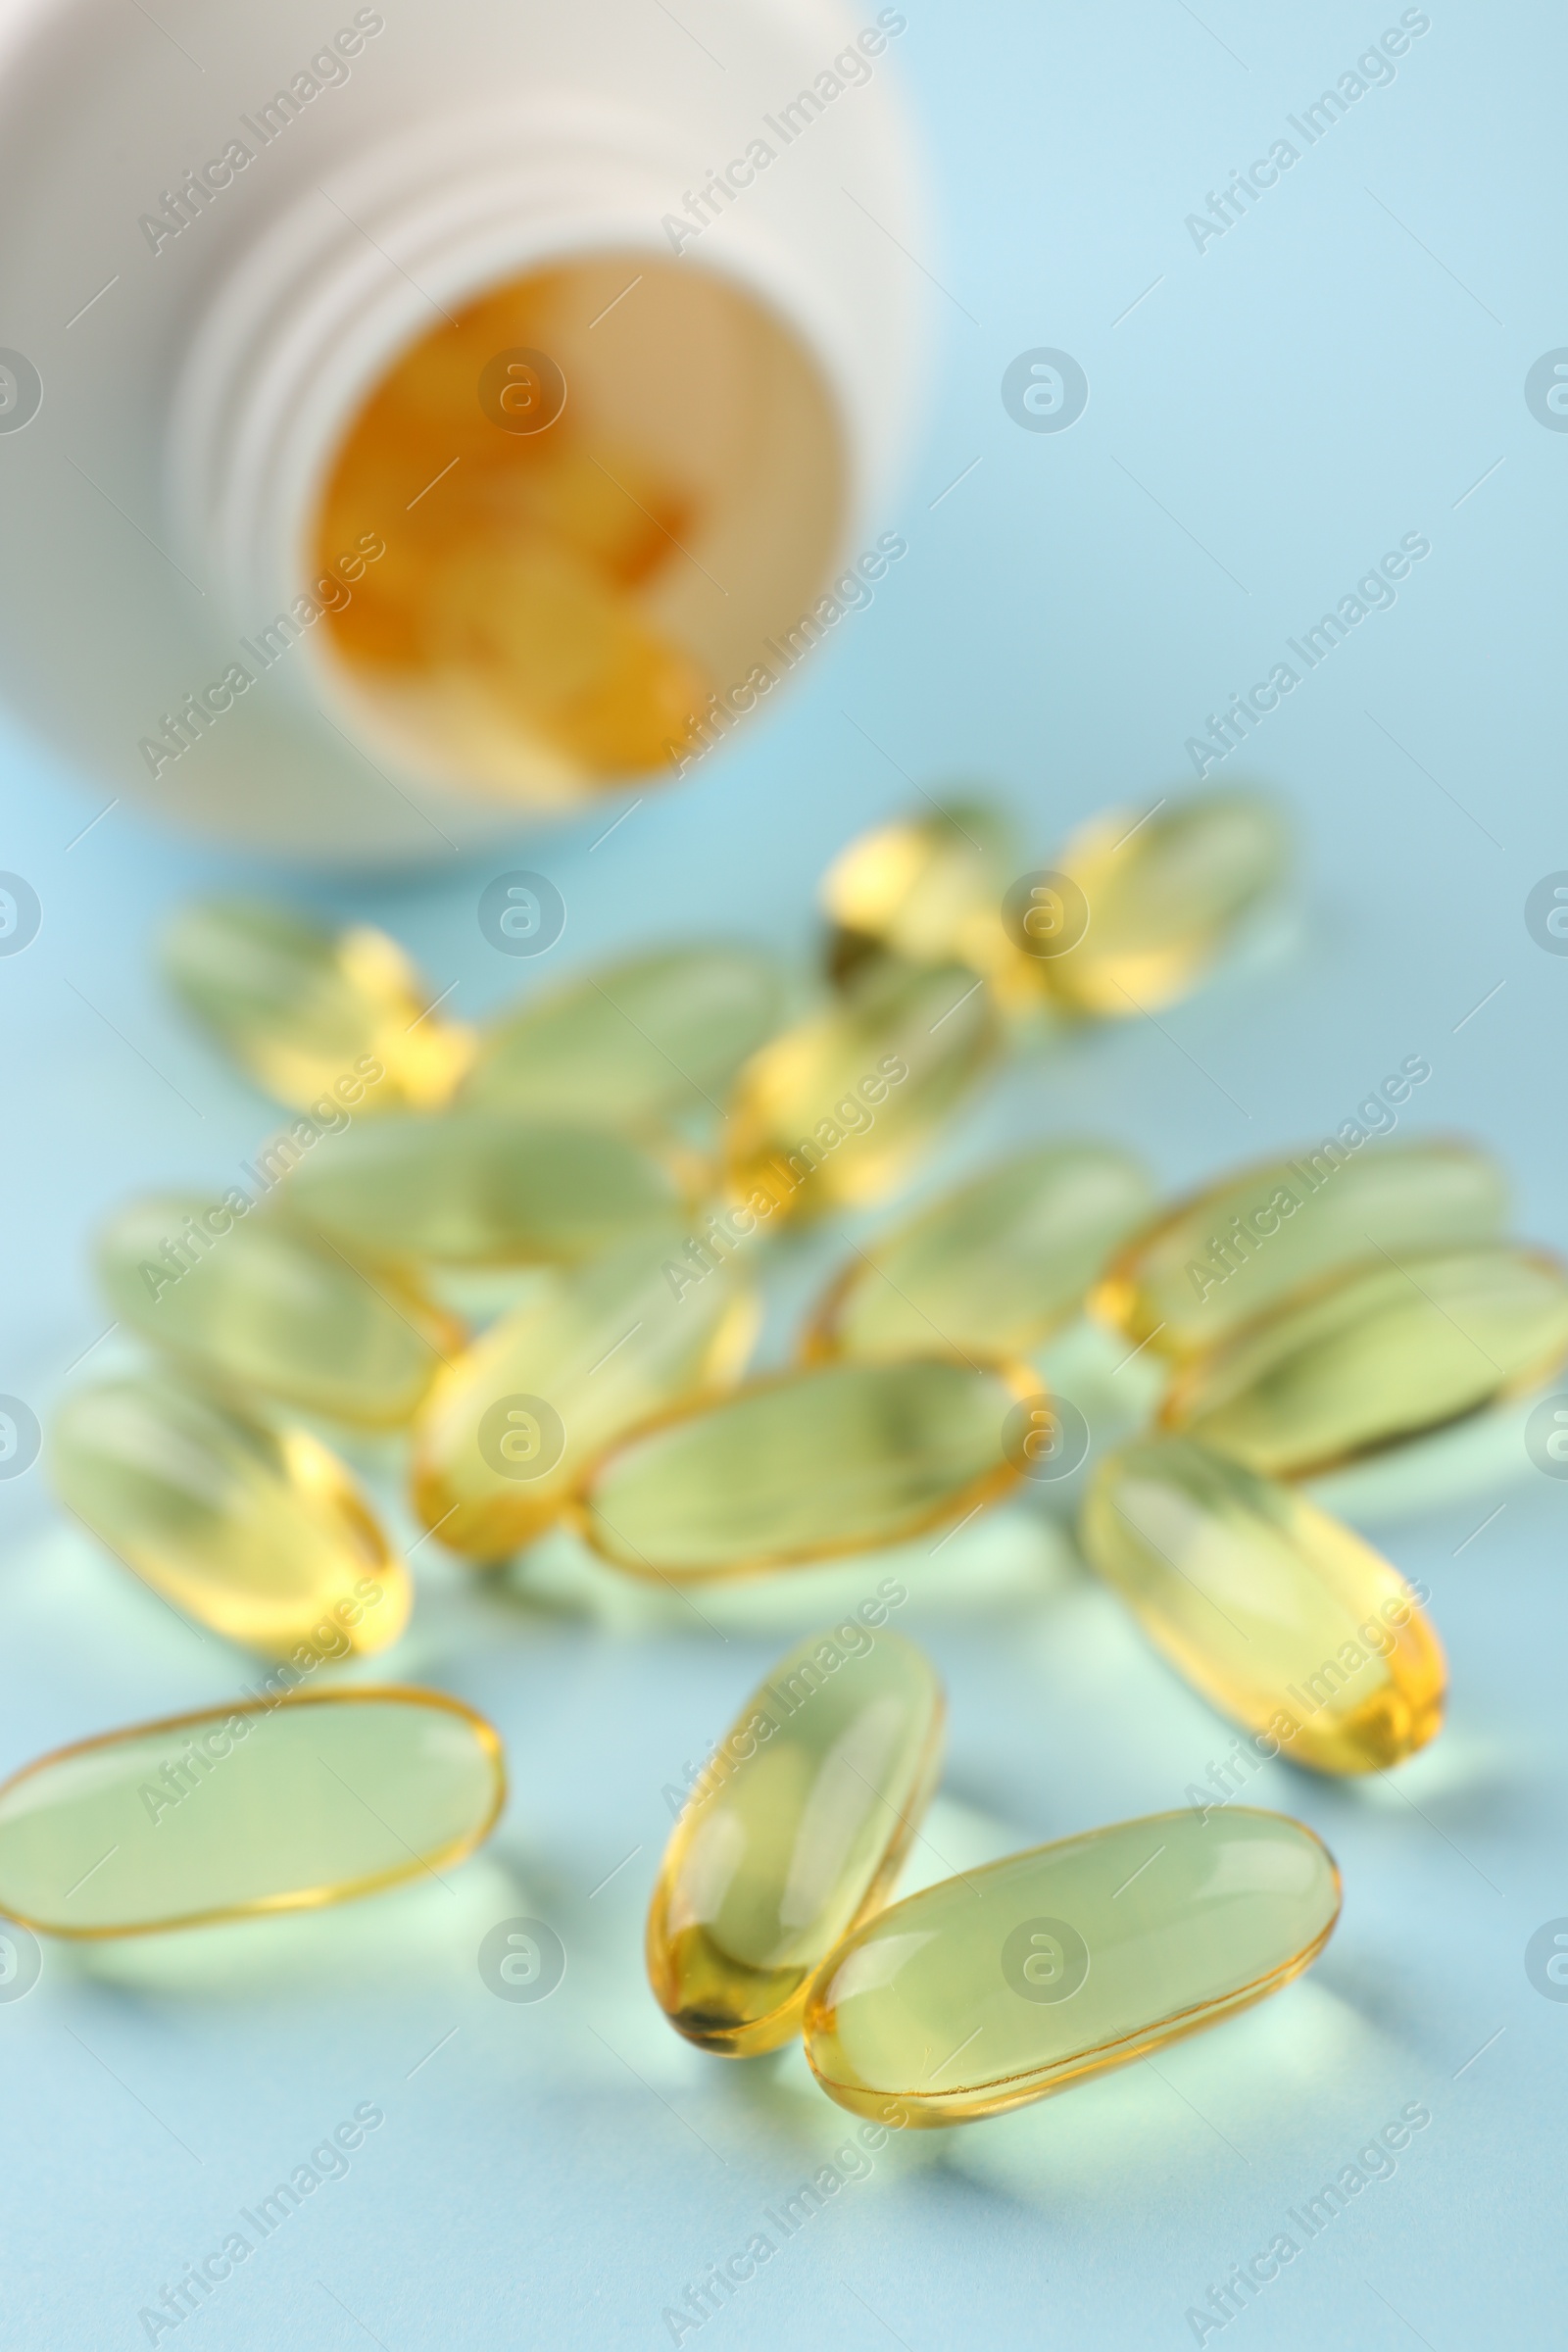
223, 232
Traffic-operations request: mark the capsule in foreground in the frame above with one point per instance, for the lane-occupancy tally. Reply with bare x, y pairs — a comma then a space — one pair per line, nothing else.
796, 1831
926, 888
989, 1990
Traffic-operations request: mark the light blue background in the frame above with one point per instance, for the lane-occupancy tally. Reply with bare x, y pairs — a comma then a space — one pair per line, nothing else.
1275, 413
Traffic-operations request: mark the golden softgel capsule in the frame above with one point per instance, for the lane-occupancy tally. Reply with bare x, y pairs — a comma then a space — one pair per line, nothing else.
992, 1268
268, 1804
989, 1990
928, 889
1285, 1619
327, 1021
261, 1301
512, 1424
1388, 1352
833, 1112
807, 1465
488, 1187
634, 1044
1232, 1251
795, 1832
256, 1532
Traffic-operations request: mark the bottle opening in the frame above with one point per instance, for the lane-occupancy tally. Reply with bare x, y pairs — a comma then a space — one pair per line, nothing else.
567, 522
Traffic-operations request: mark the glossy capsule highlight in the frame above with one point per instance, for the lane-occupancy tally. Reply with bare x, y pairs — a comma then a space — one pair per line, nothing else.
834, 1111
1284, 1619
928, 889
795, 1832
807, 1465
266, 1804
993, 1268
1388, 1352
513, 1423
1234, 1251
989, 1990
331, 1022
261, 1303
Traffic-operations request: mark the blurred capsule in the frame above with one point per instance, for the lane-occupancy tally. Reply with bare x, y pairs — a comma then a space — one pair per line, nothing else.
836, 1110
325, 1021
1282, 1617
1226, 1255
1388, 1352
260, 1301
488, 1187
797, 1829
928, 889
259, 1533
987, 1991
993, 1267
1135, 908
263, 1804
511, 1426
633, 1044
805, 1465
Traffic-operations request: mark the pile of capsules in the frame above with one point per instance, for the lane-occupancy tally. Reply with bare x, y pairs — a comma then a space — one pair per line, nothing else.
623, 1151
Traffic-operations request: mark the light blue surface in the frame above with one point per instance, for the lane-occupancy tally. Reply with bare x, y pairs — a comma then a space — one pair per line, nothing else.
1342, 367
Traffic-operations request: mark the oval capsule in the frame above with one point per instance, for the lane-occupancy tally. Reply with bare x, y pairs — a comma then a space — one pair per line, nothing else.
989, 1990
256, 1532
511, 1426
795, 1832
807, 1465
926, 888
265, 1805
1284, 1619
488, 1187
1231, 1253
834, 1111
993, 1267
263, 1303
330, 1021
1138, 906
633, 1044
1389, 1352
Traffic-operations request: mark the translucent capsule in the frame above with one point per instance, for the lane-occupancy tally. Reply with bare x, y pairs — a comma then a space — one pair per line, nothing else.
1283, 1618
262, 1303
512, 1425
1388, 1352
266, 1804
989, 1990
333, 1022
993, 1267
488, 1187
928, 889
807, 1465
1231, 1253
796, 1831
259, 1533
633, 1044
1138, 906
834, 1111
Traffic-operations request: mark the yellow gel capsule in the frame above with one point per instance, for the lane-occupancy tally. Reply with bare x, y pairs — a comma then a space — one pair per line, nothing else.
1136, 911
487, 1188
1229, 1253
1284, 1619
262, 1303
989, 1990
833, 1112
266, 1804
796, 1831
927, 889
260, 1533
1387, 1352
807, 1465
338, 1019
993, 1267
511, 1426
632, 1044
